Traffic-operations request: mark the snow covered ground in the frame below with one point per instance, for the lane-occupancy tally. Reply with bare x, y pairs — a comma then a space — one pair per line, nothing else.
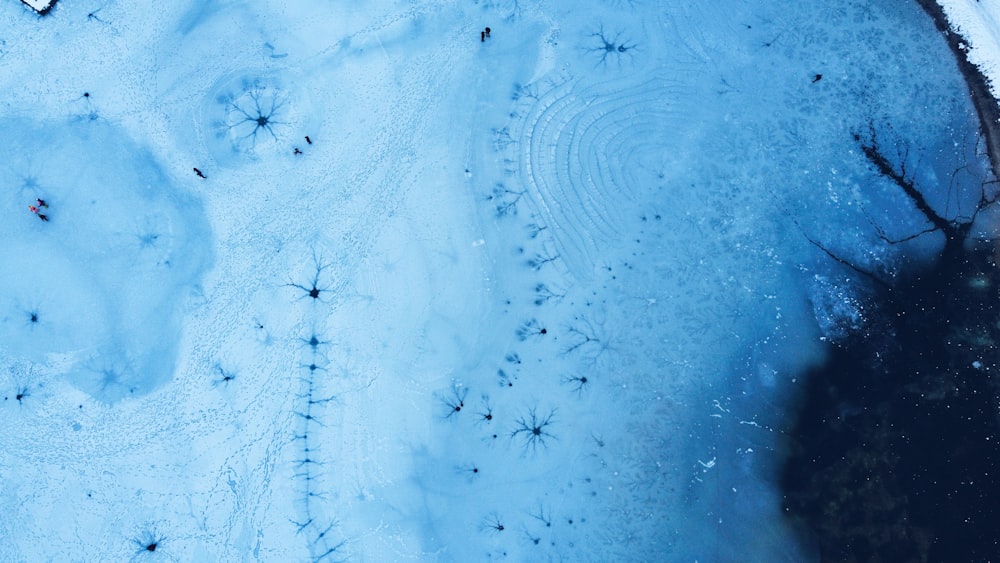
537, 297
979, 23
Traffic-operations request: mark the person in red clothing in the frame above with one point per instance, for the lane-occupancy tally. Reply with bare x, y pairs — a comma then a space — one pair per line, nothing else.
34, 210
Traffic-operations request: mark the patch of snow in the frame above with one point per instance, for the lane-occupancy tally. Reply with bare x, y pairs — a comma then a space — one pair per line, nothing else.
979, 23
40, 6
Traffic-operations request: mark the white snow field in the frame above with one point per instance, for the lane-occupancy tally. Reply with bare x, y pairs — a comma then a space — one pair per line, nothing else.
40, 6
979, 24
537, 298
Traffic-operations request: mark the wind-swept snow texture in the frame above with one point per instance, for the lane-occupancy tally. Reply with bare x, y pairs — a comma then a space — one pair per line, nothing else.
536, 297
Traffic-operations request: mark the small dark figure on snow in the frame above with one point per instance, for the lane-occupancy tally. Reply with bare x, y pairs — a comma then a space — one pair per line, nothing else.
308, 140
41, 203
487, 32
198, 172
482, 36
297, 151
817, 78
43, 217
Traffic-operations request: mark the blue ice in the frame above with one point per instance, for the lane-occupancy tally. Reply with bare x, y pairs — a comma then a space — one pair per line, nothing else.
97, 293
564, 278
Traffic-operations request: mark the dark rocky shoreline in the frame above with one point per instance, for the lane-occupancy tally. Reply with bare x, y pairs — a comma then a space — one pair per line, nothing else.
987, 107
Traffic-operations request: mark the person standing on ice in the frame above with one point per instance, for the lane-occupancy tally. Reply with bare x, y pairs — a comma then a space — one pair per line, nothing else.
34, 210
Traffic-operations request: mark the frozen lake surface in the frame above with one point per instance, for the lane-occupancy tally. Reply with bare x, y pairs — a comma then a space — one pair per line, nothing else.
352, 281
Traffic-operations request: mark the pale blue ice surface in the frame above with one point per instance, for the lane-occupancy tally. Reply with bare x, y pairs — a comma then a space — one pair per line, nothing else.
538, 298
